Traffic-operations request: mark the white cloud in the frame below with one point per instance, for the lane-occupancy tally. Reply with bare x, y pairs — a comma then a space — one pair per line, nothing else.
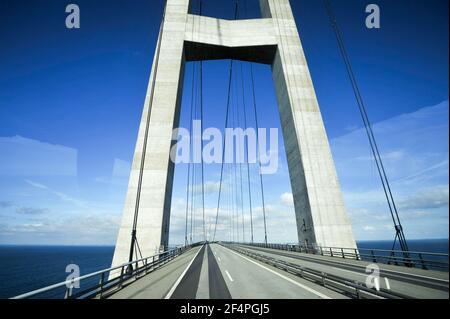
368, 228
287, 199
393, 155
80, 229
435, 197
60, 195
414, 149
27, 157
209, 187
415, 152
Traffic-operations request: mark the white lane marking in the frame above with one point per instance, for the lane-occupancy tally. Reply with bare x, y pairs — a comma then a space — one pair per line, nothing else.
228, 274
388, 286
218, 258
175, 285
321, 295
350, 271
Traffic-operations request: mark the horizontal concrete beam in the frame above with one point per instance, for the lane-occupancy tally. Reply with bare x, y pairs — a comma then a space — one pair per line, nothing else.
202, 52
230, 33
209, 38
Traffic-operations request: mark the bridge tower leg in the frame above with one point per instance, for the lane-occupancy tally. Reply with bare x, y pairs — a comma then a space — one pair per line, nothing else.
319, 207
274, 40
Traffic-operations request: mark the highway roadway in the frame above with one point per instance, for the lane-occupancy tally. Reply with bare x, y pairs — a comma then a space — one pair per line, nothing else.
215, 271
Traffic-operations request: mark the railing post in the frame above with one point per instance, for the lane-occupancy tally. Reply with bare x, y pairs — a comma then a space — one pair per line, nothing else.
331, 252
102, 280
321, 250
373, 256
422, 262
121, 277
137, 269
358, 294
342, 251
69, 291
394, 258
357, 255
323, 279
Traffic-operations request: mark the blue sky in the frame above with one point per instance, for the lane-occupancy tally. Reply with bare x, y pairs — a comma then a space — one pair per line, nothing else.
71, 101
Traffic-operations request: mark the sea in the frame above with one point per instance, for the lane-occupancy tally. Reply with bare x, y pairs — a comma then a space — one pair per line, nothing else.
27, 268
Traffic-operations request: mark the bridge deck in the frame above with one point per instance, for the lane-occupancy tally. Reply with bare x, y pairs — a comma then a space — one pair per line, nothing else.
217, 272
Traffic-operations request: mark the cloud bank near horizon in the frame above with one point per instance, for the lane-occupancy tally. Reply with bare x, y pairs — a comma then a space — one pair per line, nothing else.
41, 201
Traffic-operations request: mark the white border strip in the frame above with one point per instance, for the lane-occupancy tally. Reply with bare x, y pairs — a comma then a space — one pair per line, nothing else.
175, 285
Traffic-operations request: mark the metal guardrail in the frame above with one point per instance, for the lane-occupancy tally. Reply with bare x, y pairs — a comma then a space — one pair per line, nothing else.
351, 288
100, 283
416, 259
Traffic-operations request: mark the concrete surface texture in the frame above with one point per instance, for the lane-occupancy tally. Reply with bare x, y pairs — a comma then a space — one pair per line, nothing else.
274, 39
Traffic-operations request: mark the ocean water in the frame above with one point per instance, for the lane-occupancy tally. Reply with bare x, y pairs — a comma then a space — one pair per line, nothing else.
26, 268
420, 245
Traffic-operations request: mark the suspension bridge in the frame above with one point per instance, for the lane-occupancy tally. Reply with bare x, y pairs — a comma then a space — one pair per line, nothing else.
227, 261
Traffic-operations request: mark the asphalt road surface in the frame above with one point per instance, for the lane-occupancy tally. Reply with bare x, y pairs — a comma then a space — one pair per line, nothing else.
215, 271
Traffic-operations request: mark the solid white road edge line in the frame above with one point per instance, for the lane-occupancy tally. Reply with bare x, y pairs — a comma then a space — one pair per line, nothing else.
175, 285
319, 294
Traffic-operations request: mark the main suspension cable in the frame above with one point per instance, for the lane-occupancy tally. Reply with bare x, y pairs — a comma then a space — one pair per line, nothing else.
224, 148
144, 146
369, 131
188, 186
242, 190
230, 79
259, 153
247, 151
201, 139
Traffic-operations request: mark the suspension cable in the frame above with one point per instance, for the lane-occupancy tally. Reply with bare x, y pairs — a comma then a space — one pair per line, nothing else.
144, 147
188, 186
247, 151
224, 148
259, 153
201, 156
195, 173
235, 156
226, 125
239, 155
369, 131
201, 139
194, 104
